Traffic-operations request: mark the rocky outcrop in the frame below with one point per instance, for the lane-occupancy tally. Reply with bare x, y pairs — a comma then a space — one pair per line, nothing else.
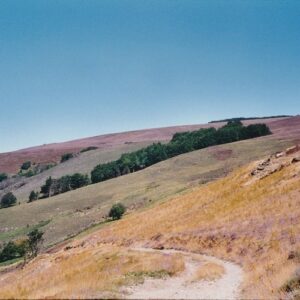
276, 162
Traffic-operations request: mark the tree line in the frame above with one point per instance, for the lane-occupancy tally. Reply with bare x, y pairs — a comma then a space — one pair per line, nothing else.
182, 142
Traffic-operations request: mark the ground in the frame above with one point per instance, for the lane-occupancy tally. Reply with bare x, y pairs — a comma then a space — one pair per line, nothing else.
184, 203
250, 220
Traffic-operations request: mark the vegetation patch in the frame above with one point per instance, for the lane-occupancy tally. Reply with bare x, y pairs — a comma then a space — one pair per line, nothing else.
292, 285
88, 149
22, 231
3, 176
66, 157
139, 276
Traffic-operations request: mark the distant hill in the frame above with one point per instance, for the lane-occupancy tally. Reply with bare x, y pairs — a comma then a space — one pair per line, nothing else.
10, 162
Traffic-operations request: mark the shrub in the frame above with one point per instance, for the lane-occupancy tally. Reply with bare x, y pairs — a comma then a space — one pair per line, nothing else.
26, 165
33, 196
3, 176
8, 200
66, 157
117, 211
29, 173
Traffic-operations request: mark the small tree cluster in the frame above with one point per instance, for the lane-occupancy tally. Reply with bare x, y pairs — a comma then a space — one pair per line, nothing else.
33, 196
8, 200
66, 157
26, 165
3, 176
28, 248
63, 184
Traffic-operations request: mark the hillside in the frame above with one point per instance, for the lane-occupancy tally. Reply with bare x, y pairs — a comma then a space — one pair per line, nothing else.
67, 214
10, 162
250, 217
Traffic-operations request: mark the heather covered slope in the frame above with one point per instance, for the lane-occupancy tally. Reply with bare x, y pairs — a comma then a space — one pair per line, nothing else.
10, 162
250, 217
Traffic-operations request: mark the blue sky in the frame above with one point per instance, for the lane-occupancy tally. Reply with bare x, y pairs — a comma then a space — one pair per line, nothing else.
71, 69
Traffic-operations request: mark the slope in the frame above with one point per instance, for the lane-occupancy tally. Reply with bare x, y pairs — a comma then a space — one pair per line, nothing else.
10, 162
250, 217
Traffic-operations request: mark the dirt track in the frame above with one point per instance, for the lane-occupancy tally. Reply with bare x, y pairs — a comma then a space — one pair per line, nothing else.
182, 286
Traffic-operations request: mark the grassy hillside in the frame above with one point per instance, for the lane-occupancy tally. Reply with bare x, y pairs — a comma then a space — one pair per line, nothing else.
250, 219
82, 163
69, 213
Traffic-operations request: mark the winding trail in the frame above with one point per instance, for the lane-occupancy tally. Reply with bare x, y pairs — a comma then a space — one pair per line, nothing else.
182, 287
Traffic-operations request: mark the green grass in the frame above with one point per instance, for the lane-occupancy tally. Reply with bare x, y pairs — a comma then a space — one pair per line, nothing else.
10, 262
73, 212
22, 231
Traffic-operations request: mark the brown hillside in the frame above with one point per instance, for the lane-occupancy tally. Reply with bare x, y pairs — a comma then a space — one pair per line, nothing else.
250, 217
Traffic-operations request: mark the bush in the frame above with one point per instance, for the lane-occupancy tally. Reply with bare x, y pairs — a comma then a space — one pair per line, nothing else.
66, 157
33, 196
26, 165
117, 211
3, 176
8, 200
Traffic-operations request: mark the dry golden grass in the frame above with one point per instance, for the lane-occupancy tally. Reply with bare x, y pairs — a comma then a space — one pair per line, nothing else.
256, 225
209, 271
86, 272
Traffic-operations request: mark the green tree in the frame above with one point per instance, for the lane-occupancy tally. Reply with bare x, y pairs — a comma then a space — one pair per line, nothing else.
34, 243
8, 200
3, 176
45, 189
26, 165
33, 196
66, 157
105, 171
78, 180
117, 211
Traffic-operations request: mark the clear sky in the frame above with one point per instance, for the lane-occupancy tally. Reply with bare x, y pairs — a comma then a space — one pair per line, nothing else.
71, 69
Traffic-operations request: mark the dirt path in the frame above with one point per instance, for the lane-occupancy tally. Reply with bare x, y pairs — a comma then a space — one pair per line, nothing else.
181, 287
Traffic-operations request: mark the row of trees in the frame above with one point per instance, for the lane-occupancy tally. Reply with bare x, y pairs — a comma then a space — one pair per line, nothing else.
63, 184
181, 143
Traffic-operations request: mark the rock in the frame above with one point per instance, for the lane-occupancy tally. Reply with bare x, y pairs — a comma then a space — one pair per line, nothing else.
279, 154
159, 247
292, 150
296, 159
